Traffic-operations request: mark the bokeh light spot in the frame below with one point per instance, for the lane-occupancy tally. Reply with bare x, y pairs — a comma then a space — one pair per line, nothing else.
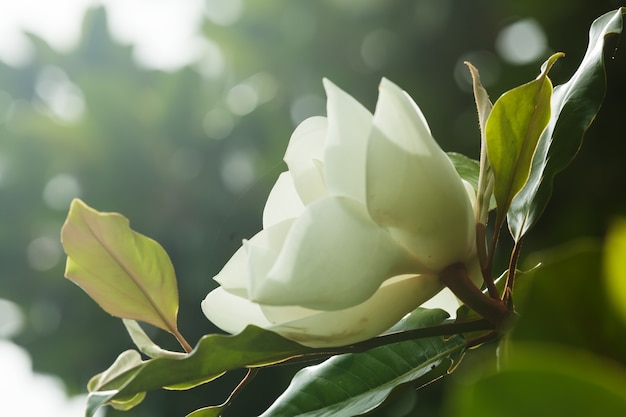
44, 253
306, 106
521, 42
60, 191
238, 171
11, 319
62, 97
242, 99
223, 12
218, 123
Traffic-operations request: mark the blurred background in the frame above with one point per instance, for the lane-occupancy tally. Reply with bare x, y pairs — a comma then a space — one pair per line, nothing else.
177, 114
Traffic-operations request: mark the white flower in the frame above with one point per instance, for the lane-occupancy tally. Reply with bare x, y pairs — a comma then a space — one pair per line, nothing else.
355, 232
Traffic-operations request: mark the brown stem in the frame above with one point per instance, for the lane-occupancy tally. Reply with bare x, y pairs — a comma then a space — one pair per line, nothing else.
485, 263
182, 341
386, 339
246, 379
510, 278
457, 279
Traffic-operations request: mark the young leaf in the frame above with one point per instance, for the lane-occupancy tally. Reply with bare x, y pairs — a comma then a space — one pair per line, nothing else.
484, 189
574, 106
352, 384
145, 344
129, 275
513, 128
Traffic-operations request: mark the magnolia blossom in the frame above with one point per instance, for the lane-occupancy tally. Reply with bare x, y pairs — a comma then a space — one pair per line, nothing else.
357, 230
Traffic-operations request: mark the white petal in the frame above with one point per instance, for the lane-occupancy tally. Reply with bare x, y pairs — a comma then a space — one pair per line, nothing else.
349, 124
283, 202
412, 187
234, 276
396, 297
304, 155
334, 257
232, 313
445, 300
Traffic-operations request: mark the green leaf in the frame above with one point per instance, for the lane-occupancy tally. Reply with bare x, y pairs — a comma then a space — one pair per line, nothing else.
513, 128
615, 266
145, 344
129, 275
564, 301
466, 167
125, 362
212, 411
544, 380
352, 384
574, 106
213, 356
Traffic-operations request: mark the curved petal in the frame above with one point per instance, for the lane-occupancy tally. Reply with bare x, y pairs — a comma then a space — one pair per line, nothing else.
232, 313
234, 276
445, 300
395, 298
334, 257
412, 187
349, 124
304, 157
283, 202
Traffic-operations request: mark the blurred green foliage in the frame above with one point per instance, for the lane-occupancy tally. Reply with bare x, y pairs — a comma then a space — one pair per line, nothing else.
164, 149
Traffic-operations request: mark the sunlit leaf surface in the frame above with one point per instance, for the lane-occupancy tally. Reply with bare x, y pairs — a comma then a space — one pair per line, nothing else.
574, 106
129, 275
512, 132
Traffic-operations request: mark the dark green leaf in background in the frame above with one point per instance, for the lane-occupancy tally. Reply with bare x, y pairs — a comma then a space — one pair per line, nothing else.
545, 380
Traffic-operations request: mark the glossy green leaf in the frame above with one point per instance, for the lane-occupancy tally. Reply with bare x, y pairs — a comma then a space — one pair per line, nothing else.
544, 380
213, 356
574, 106
615, 266
513, 129
128, 274
352, 384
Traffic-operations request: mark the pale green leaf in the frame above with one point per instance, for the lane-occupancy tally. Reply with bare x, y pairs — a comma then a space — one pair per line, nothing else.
513, 129
128, 274
145, 344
